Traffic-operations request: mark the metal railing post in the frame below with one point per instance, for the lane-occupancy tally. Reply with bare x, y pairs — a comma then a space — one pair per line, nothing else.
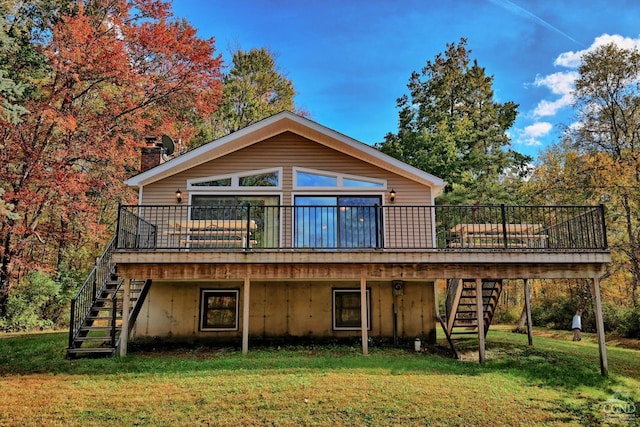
504, 225
378, 217
72, 326
114, 302
94, 285
118, 225
248, 234
605, 244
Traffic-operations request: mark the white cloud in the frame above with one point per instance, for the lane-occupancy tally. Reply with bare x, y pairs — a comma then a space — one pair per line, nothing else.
572, 59
550, 108
562, 84
558, 83
531, 134
538, 129
575, 126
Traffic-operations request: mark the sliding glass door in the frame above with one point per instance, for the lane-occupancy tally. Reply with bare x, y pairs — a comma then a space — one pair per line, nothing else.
337, 222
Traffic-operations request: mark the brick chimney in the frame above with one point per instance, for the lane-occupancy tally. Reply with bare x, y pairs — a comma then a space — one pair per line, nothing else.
151, 154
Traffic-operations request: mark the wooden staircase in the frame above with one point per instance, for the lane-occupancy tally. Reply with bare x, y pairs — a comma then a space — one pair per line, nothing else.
99, 333
96, 311
461, 309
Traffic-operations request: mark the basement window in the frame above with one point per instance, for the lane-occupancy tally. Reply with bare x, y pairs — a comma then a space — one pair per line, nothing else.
346, 310
219, 310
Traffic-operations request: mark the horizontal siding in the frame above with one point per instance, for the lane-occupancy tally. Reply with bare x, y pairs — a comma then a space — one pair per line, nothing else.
286, 150
289, 150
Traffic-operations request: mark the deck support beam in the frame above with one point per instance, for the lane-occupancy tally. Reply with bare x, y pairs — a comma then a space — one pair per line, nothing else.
364, 315
527, 307
245, 314
480, 320
597, 309
124, 327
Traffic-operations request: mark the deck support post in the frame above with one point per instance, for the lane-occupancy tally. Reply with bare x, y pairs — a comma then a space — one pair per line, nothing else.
480, 320
124, 327
527, 307
245, 314
597, 309
364, 315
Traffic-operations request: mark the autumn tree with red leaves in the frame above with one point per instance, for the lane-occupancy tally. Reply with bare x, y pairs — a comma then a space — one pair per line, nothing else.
98, 75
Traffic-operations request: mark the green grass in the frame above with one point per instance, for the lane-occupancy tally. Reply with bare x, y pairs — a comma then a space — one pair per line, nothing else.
555, 382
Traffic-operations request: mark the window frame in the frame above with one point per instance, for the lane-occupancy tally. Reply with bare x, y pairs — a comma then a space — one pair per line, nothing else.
381, 184
203, 309
235, 181
334, 325
274, 237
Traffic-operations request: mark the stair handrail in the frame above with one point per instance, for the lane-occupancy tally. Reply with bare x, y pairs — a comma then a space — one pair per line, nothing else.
114, 314
84, 299
137, 306
454, 291
134, 310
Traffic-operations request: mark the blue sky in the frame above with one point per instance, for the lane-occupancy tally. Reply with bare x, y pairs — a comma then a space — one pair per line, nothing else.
350, 60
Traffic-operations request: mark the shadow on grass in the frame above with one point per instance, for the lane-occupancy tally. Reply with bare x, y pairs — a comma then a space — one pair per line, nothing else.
551, 365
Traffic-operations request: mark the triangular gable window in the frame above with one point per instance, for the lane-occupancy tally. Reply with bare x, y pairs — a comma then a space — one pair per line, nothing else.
265, 178
310, 178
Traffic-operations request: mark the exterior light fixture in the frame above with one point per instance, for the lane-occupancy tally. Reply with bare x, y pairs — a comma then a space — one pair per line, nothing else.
179, 196
392, 195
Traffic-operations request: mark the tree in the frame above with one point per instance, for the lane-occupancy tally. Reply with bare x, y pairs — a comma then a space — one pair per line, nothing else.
252, 90
451, 126
607, 137
10, 91
98, 75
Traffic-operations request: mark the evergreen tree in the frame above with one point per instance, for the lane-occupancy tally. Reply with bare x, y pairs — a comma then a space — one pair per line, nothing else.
451, 126
252, 90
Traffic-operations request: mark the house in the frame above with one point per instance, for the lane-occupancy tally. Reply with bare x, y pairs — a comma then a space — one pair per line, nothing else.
288, 228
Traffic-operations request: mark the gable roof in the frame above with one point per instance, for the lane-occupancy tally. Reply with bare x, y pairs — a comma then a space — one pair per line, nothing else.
275, 125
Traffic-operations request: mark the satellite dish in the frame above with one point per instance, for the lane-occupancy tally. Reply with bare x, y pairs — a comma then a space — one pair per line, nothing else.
168, 145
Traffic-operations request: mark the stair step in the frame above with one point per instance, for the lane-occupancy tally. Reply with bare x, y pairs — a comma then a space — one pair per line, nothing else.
461, 324
99, 328
104, 338
91, 350
105, 318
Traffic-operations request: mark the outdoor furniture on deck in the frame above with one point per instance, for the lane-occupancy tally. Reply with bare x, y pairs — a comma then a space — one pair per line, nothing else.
207, 233
490, 236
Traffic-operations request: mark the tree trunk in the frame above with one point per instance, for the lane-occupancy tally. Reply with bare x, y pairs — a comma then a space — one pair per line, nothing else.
633, 253
521, 327
4, 275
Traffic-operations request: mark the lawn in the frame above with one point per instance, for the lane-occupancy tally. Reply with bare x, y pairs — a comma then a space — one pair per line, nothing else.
555, 382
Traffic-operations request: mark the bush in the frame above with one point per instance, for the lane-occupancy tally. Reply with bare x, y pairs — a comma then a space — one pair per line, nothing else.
558, 314
632, 324
555, 314
39, 302
510, 315
621, 321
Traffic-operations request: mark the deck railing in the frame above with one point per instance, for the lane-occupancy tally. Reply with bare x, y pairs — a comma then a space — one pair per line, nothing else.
360, 228
83, 301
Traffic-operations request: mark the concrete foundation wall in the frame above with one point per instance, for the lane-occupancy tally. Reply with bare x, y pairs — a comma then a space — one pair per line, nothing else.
299, 309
